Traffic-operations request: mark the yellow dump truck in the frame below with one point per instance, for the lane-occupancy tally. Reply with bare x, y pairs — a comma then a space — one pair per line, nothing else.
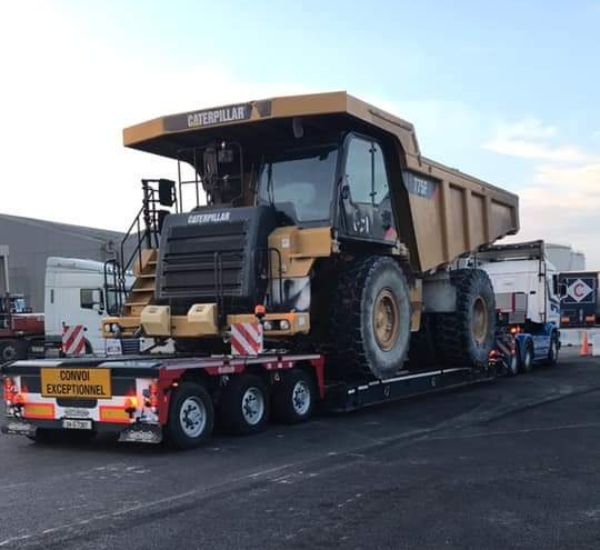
321, 210
307, 250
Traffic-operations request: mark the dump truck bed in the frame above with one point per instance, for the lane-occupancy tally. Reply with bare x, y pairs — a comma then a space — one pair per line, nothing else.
443, 213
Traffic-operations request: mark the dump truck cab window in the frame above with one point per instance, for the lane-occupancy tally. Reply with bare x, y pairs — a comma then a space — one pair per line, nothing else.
366, 205
299, 183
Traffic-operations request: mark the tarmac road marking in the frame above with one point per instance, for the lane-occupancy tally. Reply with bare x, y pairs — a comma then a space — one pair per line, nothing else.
517, 431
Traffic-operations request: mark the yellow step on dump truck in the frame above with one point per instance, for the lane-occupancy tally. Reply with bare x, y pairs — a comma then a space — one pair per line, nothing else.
320, 214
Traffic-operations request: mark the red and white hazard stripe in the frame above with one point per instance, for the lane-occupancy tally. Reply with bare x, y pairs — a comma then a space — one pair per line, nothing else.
246, 338
73, 342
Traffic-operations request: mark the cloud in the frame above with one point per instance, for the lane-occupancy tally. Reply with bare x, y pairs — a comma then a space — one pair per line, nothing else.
562, 205
531, 139
561, 201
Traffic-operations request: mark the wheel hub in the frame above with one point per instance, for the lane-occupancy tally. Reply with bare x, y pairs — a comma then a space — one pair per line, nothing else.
386, 319
192, 417
479, 323
301, 397
253, 406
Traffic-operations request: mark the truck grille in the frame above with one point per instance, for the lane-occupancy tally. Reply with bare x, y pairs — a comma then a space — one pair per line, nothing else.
221, 259
196, 255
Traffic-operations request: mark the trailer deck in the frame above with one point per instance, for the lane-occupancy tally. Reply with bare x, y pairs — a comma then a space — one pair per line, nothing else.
135, 396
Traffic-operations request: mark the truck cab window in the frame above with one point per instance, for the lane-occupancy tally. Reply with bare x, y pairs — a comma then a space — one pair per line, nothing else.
112, 301
366, 198
91, 298
299, 182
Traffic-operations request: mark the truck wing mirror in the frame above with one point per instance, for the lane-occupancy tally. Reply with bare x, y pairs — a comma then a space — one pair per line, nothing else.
166, 192
346, 193
386, 219
562, 290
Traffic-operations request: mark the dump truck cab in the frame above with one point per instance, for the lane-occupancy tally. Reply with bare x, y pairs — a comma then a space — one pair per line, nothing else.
286, 207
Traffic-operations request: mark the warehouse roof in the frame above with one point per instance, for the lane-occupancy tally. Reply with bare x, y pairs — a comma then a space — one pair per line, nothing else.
93, 234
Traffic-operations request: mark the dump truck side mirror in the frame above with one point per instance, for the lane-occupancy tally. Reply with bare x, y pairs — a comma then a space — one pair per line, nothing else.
166, 192
346, 192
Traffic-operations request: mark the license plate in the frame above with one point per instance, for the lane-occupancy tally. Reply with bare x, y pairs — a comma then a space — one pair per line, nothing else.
71, 424
76, 383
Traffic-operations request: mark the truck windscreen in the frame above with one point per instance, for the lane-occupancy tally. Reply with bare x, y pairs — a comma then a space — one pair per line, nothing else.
299, 182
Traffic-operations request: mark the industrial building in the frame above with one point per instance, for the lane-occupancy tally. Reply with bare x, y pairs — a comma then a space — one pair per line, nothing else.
565, 258
26, 243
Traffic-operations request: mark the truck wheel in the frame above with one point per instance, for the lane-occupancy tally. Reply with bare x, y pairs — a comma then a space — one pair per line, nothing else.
294, 397
13, 350
244, 406
553, 350
466, 337
513, 364
370, 324
527, 359
191, 416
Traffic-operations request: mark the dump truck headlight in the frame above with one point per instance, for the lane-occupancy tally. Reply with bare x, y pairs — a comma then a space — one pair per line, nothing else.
268, 325
284, 324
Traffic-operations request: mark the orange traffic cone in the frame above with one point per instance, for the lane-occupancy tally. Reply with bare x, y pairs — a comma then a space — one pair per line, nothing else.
585, 344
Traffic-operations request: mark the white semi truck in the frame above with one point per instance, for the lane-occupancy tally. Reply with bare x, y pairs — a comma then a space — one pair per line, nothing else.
79, 292
527, 295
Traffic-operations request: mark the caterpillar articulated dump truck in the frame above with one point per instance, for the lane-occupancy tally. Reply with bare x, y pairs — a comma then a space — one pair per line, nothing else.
309, 241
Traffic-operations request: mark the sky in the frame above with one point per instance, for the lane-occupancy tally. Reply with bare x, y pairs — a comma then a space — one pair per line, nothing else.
506, 91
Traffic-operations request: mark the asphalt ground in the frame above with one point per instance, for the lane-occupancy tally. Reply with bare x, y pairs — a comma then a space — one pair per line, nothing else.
509, 464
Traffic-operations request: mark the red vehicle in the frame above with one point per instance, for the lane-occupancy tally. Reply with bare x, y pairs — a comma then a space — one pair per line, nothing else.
21, 332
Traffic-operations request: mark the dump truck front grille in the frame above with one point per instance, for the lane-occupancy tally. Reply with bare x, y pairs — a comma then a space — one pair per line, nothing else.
220, 261
197, 256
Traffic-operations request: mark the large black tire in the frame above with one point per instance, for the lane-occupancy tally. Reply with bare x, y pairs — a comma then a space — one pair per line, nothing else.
367, 344
244, 405
553, 351
12, 350
526, 363
466, 337
294, 397
191, 416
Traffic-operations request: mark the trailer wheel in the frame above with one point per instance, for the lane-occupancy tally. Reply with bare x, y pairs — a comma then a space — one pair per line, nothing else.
553, 350
513, 364
466, 337
370, 323
294, 397
191, 416
527, 359
13, 350
244, 407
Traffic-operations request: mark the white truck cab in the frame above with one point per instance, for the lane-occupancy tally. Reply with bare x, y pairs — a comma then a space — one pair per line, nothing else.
527, 295
77, 292
530, 282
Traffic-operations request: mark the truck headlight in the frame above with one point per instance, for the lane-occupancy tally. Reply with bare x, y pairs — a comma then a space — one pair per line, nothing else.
284, 324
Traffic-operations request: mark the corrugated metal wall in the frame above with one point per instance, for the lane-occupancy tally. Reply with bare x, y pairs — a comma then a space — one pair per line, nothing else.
31, 241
